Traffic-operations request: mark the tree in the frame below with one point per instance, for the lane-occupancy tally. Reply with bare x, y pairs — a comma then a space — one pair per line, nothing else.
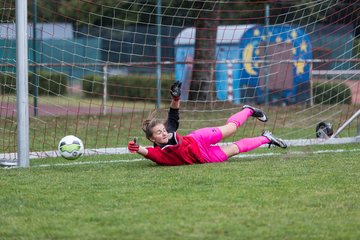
205, 47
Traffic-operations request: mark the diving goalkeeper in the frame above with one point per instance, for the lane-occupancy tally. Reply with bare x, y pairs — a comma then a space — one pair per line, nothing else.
198, 147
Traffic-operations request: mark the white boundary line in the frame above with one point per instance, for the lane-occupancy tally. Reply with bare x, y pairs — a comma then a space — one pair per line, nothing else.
238, 156
90, 163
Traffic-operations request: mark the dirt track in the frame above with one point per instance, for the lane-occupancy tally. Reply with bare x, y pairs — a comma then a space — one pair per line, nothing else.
9, 109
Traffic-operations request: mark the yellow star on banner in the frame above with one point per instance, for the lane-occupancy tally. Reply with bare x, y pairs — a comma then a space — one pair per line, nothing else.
256, 32
303, 46
293, 34
278, 40
300, 65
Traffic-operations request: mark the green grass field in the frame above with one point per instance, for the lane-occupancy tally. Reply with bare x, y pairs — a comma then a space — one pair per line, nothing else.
298, 193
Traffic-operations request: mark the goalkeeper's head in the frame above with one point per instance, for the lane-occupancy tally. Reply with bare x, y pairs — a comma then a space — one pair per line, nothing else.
155, 131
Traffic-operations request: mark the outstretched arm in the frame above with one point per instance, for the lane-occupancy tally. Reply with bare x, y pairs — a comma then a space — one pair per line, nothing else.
173, 115
142, 151
136, 148
175, 104
175, 91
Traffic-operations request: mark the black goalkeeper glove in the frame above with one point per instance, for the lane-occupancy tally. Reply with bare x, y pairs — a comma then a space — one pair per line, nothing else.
175, 90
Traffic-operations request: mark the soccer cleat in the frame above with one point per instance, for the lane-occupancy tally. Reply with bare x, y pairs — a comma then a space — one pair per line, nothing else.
257, 113
274, 140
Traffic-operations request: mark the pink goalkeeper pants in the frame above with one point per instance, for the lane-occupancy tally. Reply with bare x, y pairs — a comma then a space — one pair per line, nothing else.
206, 139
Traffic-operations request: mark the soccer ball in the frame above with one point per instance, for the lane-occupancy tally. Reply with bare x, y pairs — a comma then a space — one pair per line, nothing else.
71, 147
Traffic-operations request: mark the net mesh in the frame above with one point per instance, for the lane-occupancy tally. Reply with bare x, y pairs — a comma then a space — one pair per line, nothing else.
95, 67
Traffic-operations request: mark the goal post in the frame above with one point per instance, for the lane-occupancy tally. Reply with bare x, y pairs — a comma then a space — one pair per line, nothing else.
21, 157
102, 67
22, 85
342, 127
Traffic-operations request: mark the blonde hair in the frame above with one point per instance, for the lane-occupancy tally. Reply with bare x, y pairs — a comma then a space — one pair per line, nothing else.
150, 123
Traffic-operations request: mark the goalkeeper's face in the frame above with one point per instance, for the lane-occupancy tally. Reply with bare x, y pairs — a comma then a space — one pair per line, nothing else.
159, 134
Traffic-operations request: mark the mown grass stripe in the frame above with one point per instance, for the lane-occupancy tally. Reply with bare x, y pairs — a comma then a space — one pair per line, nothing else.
238, 156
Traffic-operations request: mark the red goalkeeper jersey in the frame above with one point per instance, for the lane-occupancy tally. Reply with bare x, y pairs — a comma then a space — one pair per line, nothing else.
186, 151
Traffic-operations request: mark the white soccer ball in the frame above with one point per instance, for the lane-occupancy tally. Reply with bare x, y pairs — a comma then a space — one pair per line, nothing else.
71, 147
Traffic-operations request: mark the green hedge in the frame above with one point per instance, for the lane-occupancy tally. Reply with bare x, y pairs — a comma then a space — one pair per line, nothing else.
92, 86
49, 83
126, 87
7, 83
144, 87
331, 93
356, 49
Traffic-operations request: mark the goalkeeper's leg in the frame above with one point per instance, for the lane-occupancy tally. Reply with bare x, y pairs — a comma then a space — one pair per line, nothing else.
234, 122
248, 144
239, 118
223, 153
247, 111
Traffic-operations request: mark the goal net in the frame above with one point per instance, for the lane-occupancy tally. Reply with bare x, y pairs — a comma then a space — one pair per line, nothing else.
97, 69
